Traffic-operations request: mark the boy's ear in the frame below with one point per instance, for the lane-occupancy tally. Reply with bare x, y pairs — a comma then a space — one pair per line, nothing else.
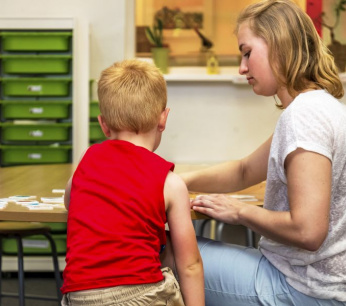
163, 120
104, 126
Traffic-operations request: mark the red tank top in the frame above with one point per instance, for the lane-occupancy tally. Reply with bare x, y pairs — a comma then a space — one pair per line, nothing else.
116, 219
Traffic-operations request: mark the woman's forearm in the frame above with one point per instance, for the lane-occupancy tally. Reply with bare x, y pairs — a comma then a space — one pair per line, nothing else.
299, 227
225, 177
281, 226
233, 175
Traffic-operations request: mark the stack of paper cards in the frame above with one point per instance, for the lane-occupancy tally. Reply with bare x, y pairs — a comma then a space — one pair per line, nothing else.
27, 202
52, 200
30, 202
56, 202
3, 204
240, 197
34, 205
40, 206
16, 198
244, 197
58, 191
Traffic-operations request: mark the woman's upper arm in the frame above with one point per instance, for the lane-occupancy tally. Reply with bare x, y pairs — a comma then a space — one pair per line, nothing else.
309, 180
255, 165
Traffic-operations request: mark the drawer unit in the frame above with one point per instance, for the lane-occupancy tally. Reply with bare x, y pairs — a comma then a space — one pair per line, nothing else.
11, 110
35, 64
94, 110
56, 227
21, 155
11, 132
14, 41
36, 96
35, 245
36, 87
95, 132
38, 244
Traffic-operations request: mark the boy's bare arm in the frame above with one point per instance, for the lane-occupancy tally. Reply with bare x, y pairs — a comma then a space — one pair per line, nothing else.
187, 257
67, 193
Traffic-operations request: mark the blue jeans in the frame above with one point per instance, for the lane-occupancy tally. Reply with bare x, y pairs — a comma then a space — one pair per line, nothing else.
237, 276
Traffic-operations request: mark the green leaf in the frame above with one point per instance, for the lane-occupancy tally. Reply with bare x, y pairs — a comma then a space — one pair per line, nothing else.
150, 36
160, 24
154, 34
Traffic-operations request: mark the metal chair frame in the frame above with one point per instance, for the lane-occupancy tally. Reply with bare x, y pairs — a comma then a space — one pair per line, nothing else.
18, 236
250, 235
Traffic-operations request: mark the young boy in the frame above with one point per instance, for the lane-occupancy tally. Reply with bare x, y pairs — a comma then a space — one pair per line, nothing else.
121, 196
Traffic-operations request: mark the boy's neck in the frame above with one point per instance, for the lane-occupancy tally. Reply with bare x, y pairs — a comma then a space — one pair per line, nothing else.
145, 140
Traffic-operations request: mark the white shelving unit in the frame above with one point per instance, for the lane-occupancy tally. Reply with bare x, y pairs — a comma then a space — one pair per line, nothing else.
80, 90
80, 106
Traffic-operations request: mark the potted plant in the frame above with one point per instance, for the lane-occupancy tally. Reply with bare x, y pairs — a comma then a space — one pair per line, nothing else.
338, 49
159, 50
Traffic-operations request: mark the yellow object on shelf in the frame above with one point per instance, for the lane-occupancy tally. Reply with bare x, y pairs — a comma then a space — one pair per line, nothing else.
212, 64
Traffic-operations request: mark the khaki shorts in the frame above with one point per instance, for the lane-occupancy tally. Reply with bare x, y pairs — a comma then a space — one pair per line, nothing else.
166, 292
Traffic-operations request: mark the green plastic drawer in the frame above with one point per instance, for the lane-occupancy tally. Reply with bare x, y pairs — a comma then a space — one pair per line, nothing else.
35, 245
25, 155
35, 132
35, 110
17, 87
36, 41
56, 226
36, 64
95, 132
94, 109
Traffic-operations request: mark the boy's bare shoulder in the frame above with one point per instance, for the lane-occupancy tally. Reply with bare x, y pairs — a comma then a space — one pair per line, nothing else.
176, 196
175, 182
175, 191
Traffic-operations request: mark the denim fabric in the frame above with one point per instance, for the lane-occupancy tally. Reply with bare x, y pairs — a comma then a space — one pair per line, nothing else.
242, 276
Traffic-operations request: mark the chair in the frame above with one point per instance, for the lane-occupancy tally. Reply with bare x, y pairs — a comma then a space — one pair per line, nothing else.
250, 235
19, 230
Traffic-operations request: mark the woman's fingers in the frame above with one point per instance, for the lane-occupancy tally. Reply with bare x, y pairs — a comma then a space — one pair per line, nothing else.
204, 204
205, 201
218, 206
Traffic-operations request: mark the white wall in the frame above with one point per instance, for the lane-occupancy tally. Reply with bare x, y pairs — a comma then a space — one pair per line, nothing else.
212, 122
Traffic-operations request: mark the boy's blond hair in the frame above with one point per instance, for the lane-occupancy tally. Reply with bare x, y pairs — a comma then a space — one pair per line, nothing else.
132, 95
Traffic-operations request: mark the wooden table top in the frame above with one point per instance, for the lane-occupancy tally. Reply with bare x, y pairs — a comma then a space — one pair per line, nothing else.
40, 180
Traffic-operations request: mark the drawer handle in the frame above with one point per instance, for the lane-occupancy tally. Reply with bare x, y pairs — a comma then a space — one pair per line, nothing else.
36, 110
35, 156
36, 133
36, 244
34, 88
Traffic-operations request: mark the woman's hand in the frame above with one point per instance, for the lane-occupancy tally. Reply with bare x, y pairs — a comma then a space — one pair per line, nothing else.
218, 206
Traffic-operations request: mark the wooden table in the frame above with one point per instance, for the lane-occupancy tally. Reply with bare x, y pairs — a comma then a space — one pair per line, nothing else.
40, 180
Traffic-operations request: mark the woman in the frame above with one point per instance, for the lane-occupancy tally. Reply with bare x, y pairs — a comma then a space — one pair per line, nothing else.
302, 252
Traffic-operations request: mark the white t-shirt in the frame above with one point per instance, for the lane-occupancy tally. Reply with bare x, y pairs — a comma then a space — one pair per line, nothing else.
314, 121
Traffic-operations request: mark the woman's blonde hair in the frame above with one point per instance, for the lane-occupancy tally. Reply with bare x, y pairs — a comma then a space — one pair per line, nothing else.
132, 95
298, 57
